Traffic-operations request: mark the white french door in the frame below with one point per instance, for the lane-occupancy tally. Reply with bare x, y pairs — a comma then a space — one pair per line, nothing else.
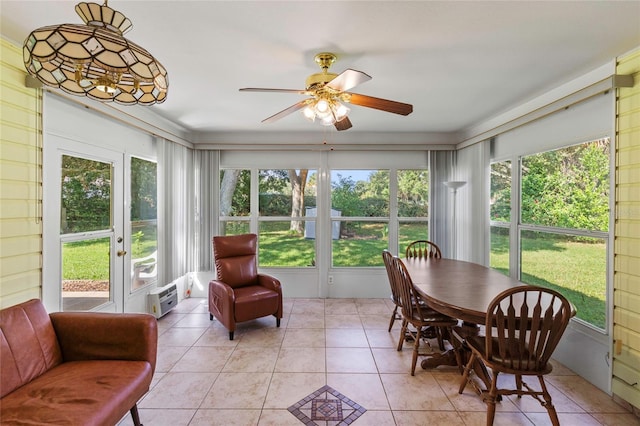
85, 251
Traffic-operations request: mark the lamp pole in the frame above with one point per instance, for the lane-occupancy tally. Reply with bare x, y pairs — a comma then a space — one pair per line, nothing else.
454, 185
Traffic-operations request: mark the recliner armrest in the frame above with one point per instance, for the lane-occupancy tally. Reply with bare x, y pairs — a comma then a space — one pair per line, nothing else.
269, 282
94, 335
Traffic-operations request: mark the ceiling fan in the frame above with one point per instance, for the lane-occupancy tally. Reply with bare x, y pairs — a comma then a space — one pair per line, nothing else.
328, 94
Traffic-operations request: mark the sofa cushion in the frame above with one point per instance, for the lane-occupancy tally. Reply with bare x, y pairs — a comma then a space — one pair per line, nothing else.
28, 345
78, 393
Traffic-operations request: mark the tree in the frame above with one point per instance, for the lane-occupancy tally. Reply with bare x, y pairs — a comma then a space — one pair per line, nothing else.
227, 189
298, 183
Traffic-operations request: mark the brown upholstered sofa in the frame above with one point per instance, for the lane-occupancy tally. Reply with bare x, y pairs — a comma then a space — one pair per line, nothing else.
73, 368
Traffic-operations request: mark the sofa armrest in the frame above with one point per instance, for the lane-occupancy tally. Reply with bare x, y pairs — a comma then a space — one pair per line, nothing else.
93, 336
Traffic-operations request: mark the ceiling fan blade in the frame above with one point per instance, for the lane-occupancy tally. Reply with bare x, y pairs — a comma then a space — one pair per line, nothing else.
381, 104
343, 124
259, 89
293, 108
348, 79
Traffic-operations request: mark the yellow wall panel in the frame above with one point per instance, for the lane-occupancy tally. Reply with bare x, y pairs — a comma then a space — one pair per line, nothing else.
20, 245
627, 283
12, 265
626, 309
629, 338
628, 139
20, 181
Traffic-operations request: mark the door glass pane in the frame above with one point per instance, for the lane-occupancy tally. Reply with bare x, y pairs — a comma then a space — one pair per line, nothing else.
85, 274
411, 231
86, 195
574, 266
144, 223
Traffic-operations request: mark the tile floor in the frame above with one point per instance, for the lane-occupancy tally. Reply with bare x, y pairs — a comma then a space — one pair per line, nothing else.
203, 378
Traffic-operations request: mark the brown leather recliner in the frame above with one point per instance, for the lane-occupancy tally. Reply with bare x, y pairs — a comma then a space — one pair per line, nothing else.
239, 293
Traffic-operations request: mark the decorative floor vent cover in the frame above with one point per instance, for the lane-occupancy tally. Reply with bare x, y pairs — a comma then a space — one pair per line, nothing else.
326, 407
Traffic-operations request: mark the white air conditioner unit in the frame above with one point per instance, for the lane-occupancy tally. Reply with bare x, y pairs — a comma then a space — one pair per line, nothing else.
162, 300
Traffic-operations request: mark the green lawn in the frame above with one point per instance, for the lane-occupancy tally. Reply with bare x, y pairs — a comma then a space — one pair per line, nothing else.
575, 268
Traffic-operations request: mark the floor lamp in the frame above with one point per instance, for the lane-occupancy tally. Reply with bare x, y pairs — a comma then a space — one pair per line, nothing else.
454, 185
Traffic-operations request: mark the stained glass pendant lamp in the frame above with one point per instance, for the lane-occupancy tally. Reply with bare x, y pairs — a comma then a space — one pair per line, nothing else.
95, 60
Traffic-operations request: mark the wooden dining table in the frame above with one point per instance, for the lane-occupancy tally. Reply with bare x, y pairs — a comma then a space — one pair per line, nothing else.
462, 290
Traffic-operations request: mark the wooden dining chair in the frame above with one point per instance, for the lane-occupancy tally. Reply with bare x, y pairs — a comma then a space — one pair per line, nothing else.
526, 325
387, 258
416, 313
423, 249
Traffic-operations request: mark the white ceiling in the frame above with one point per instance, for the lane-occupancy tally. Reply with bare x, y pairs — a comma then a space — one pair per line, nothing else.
458, 63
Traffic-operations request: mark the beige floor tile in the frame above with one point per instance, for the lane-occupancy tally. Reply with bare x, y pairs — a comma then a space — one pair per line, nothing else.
217, 336
194, 320
560, 401
304, 338
427, 418
350, 360
161, 417
209, 417
286, 389
391, 360
617, 419
373, 307
170, 318
168, 356
306, 321
180, 336
203, 359
469, 400
586, 395
238, 391
501, 419
377, 418
566, 419
262, 337
189, 305
376, 322
342, 321
179, 390
278, 418
420, 392
346, 338
381, 338
301, 360
364, 389
308, 307
252, 359
340, 307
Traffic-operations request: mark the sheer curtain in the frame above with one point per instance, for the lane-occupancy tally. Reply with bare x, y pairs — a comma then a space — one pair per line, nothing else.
206, 175
176, 210
441, 164
472, 206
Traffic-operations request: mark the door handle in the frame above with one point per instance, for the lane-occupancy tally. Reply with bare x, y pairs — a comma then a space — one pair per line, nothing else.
121, 253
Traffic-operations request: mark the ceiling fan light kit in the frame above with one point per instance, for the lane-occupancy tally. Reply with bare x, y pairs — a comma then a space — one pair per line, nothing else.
95, 60
328, 94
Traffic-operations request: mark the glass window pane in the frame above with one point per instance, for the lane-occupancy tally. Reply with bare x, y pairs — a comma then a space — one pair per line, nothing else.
144, 223
85, 274
500, 203
411, 231
568, 188
499, 255
360, 244
234, 227
279, 247
360, 193
413, 193
86, 195
235, 192
287, 193
575, 266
